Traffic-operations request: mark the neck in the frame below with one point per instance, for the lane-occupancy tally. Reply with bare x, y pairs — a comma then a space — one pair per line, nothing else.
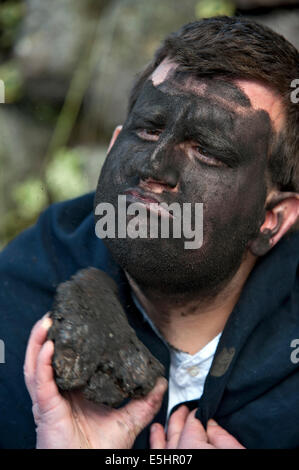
188, 323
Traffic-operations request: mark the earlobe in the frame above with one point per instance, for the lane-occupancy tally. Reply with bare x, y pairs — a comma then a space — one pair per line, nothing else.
115, 134
278, 221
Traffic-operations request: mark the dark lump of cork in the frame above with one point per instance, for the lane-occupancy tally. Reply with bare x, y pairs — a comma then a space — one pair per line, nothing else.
96, 351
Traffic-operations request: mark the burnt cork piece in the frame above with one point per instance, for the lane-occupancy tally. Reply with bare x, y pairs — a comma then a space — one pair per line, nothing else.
96, 350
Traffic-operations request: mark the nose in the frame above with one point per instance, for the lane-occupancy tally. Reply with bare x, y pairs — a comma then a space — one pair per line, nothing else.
162, 165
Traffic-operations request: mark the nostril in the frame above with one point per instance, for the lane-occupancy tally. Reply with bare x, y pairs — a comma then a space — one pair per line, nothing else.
157, 185
171, 177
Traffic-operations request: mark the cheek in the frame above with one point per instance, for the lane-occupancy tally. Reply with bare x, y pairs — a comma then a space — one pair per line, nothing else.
254, 187
117, 161
126, 158
208, 185
229, 198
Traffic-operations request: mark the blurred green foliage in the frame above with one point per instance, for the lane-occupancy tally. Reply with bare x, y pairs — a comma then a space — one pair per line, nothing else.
64, 179
209, 8
65, 175
30, 198
12, 77
11, 13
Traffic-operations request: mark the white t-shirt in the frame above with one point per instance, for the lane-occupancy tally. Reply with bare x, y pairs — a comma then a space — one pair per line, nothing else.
188, 372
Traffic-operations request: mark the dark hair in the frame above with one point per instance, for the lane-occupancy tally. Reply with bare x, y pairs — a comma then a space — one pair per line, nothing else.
239, 47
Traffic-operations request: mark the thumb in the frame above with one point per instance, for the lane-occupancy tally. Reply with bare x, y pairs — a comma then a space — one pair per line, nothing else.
220, 438
138, 413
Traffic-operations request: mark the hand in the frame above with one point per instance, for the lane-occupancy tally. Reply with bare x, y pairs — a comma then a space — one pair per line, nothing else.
70, 421
186, 432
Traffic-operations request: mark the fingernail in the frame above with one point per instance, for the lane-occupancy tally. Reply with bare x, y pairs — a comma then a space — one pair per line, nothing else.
46, 323
162, 383
154, 428
212, 422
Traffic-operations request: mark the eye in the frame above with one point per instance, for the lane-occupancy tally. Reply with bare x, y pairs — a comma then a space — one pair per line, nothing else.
203, 156
149, 134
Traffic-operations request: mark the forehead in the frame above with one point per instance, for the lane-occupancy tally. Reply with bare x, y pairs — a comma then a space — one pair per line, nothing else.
238, 95
190, 106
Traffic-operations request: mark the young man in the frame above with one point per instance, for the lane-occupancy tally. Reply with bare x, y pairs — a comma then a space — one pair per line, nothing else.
210, 121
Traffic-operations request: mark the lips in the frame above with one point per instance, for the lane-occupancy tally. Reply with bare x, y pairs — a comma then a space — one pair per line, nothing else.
136, 195
144, 197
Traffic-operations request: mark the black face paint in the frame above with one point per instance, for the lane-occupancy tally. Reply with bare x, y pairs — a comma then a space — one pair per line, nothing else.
183, 82
212, 147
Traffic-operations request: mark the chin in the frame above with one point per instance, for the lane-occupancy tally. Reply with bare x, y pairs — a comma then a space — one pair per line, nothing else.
169, 268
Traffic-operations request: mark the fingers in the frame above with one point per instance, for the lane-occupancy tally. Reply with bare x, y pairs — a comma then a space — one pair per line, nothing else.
39, 375
37, 338
193, 435
186, 432
157, 437
175, 426
46, 390
220, 438
138, 413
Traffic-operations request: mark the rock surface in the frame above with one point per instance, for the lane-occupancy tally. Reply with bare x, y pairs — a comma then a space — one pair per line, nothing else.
96, 350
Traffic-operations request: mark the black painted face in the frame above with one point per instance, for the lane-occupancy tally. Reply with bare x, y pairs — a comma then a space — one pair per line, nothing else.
206, 144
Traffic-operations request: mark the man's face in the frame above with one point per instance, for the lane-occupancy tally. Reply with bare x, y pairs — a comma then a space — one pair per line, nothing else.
190, 140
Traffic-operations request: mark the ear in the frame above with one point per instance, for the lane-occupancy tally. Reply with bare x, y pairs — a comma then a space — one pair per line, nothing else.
116, 131
282, 212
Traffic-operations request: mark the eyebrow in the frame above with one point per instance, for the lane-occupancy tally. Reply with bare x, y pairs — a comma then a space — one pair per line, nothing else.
211, 126
224, 89
216, 145
227, 91
154, 116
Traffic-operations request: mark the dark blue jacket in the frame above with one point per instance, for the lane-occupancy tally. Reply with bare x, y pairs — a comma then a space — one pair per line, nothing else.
252, 388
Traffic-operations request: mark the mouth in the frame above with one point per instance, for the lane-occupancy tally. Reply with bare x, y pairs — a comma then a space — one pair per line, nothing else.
151, 202
141, 196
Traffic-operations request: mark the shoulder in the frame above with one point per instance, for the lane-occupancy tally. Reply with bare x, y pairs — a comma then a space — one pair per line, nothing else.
50, 248
32, 265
